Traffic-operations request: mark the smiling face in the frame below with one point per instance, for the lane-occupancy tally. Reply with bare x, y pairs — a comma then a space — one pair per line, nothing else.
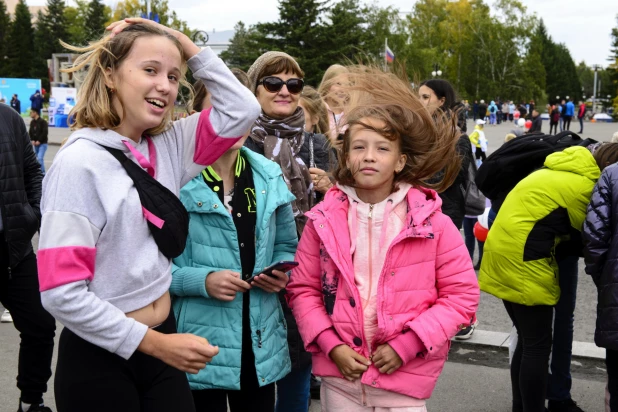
145, 84
281, 104
373, 159
429, 99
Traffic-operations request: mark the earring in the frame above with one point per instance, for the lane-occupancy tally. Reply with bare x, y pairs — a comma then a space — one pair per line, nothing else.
112, 90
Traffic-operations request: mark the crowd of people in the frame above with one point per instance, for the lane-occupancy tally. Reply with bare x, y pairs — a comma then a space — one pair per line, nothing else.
276, 234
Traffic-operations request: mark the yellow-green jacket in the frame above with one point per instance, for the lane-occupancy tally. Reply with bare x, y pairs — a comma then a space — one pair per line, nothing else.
519, 262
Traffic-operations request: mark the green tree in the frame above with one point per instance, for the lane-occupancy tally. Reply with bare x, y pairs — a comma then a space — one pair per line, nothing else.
344, 34
613, 68
42, 45
20, 44
57, 25
96, 16
76, 19
135, 8
5, 24
300, 33
243, 50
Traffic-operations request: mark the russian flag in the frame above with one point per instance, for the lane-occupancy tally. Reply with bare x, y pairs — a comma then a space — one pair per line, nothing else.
390, 56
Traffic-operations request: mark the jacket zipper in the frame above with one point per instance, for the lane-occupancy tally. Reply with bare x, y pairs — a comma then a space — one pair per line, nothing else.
369, 253
259, 333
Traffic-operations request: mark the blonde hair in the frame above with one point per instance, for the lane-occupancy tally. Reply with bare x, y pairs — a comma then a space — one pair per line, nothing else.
614, 138
429, 142
94, 100
509, 137
313, 103
333, 75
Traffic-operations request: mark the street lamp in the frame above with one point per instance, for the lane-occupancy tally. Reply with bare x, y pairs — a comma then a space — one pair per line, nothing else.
557, 97
436, 70
567, 97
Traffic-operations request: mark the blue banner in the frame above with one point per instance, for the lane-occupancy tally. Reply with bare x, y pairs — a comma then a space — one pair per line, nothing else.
23, 88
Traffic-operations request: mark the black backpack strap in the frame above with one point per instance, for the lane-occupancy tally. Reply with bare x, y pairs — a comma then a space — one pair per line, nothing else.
118, 154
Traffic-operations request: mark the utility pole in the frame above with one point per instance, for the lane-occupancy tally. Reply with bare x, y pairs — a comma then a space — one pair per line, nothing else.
596, 67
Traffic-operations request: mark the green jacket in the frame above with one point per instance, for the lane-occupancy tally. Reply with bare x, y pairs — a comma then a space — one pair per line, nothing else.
212, 245
519, 263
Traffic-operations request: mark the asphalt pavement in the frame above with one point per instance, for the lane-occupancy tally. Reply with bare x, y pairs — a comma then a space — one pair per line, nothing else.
476, 377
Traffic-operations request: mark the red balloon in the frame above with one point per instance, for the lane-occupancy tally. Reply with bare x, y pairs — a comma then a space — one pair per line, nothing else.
480, 232
528, 124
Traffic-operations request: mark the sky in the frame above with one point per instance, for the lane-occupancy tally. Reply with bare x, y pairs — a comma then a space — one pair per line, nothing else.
584, 26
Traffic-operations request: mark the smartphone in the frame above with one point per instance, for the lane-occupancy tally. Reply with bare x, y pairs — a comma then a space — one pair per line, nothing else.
283, 266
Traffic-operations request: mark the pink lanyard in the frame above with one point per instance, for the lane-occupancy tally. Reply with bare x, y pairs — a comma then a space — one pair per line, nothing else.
143, 162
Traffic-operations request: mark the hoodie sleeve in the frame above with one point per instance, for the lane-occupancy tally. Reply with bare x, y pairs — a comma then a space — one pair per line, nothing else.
203, 137
458, 294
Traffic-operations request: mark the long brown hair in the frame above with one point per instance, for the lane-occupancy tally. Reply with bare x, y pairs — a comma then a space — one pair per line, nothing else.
94, 100
606, 154
429, 142
314, 104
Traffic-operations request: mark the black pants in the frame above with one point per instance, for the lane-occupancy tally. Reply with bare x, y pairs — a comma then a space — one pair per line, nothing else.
529, 368
553, 126
581, 125
567, 123
19, 293
480, 154
93, 379
250, 397
611, 361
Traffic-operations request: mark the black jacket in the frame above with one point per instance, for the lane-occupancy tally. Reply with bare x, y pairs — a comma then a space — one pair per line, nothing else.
453, 198
601, 255
20, 185
38, 130
299, 356
16, 104
537, 124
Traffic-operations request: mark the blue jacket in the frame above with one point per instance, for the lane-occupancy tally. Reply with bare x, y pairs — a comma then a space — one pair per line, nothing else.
212, 245
570, 109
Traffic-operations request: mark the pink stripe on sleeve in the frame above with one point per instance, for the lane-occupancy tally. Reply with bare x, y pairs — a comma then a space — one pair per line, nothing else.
62, 265
208, 145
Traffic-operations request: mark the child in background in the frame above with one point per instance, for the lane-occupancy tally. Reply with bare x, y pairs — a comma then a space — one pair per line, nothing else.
479, 142
385, 280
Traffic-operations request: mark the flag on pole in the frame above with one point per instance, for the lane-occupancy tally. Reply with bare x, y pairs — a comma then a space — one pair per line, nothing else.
389, 55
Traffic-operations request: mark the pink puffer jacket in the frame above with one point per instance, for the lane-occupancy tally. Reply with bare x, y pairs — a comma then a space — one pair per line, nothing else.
427, 291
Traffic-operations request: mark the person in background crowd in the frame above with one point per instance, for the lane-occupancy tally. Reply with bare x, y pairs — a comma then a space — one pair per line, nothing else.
330, 90
554, 119
217, 282
614, 138
535, 271
570, 113
482, 111
477, 137
365, 364
475, 110
511, 111
36, 101
505, 111
523, 110
16, 104
119, 350
493, 112
581, 113
563, 115
537, 122
38, 136
20, 216
279, 134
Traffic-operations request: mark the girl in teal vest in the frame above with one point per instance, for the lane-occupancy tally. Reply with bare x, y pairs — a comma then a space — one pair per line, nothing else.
241, 221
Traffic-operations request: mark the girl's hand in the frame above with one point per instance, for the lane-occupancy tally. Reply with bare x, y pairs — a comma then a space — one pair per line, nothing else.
271, 284
189, 48
350, 364
321, 180
386, 359
224, 285
186, 352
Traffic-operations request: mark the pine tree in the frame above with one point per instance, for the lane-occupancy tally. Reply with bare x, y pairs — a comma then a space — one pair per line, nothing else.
42, 45
613, 68
95, 20
5, 23
243, 50
20, 44
57, 26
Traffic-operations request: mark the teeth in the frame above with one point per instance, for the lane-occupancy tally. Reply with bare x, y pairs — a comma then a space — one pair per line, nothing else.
156, 102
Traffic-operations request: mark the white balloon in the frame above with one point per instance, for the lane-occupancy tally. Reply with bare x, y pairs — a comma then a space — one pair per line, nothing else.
521, 122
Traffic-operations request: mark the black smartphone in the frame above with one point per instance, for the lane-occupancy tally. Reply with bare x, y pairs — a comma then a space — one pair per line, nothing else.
283, 266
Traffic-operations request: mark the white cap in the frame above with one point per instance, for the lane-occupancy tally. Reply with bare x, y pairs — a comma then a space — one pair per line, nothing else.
521, 122
480, 121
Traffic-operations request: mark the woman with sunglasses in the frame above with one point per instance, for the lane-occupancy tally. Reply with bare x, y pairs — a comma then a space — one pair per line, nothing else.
278, 133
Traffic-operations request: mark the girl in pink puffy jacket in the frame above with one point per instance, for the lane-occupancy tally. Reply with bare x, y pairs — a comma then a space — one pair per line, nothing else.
384, 280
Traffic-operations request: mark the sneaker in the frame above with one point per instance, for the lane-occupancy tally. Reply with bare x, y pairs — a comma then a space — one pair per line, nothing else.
466, 333
314, 387
568, 405
6, 317
34, 408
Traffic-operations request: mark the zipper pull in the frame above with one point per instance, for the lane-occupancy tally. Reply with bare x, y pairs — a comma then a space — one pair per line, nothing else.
10, 273
259, 333
370, 211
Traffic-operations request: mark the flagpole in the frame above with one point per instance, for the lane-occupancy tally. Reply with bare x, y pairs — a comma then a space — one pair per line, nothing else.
385, 51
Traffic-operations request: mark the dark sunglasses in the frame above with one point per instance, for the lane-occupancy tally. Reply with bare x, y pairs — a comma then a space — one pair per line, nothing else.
274, 84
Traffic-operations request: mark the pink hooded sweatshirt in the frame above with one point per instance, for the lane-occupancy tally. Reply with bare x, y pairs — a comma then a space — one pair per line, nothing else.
426, 291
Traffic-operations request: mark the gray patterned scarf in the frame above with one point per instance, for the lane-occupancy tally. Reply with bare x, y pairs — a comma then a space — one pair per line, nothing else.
282, 141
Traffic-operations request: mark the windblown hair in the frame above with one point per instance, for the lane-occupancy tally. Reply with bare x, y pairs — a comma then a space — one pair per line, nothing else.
94, 100
313, 103
606, 154
200, 94
429, 142
335, 74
